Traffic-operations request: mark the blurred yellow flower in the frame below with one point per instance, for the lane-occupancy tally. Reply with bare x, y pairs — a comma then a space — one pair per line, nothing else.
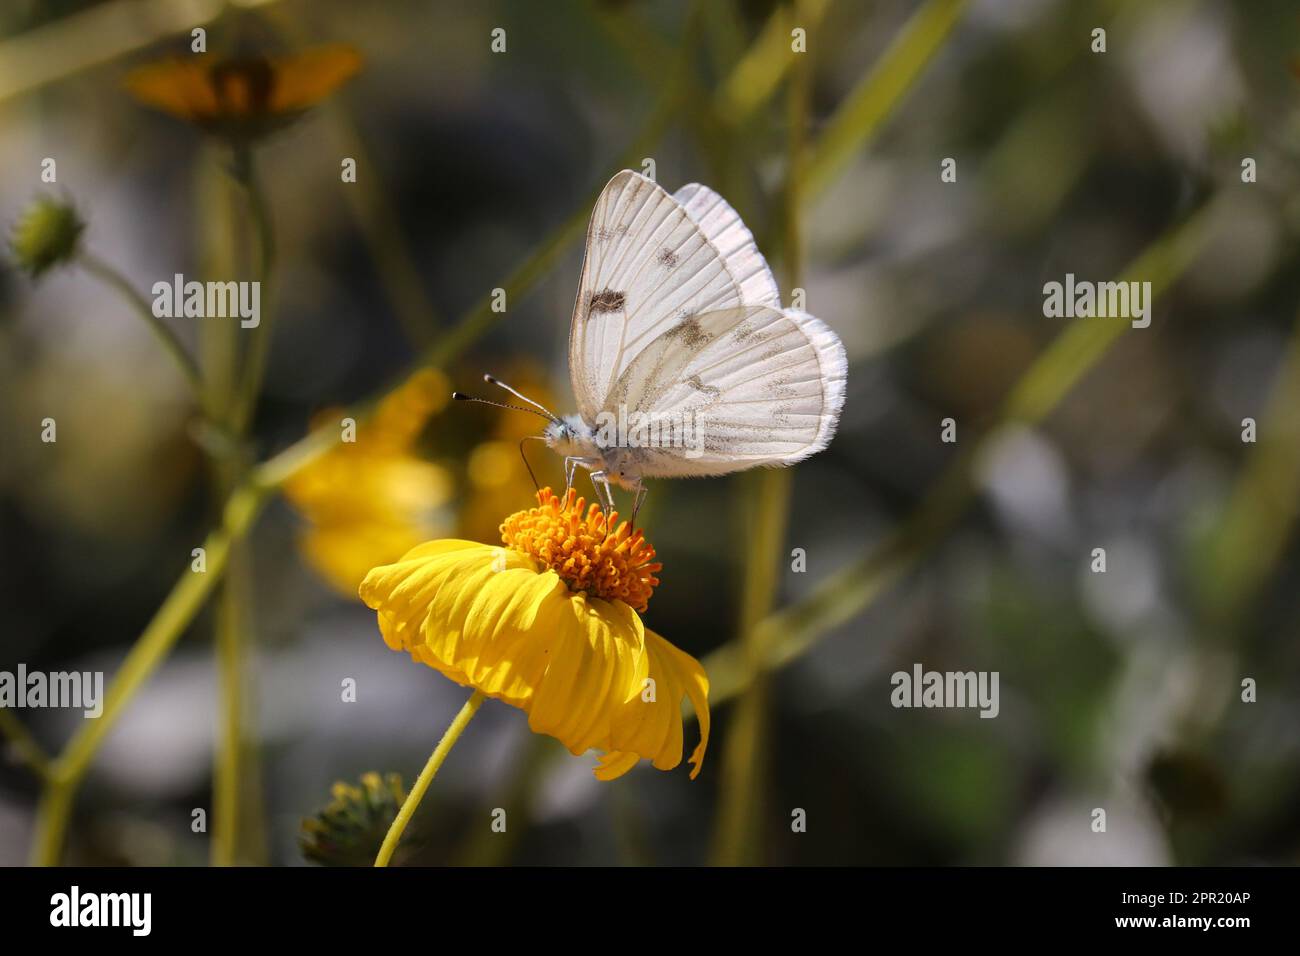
244, 97
549, 624
372, 500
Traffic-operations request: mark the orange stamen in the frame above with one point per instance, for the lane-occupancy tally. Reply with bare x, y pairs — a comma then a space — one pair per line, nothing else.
571, 539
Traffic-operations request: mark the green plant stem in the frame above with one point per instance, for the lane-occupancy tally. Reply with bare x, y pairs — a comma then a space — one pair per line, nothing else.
259, 349
430, 770
110, 276
374, 213
236, 801
653, 56
24, 744
738, 840
1260, 515
876, 96
758, 74
92, 36
168, 623
229, 785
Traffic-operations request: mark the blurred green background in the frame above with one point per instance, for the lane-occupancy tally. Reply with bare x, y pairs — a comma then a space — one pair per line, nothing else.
476, 171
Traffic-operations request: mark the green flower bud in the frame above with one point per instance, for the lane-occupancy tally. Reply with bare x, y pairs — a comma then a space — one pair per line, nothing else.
46, 235
351, 829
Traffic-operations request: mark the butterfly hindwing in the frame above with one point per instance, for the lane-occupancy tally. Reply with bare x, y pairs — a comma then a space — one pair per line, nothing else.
738, 388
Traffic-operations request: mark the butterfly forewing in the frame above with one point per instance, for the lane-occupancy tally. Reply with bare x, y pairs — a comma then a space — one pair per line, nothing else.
723, 227
651, 259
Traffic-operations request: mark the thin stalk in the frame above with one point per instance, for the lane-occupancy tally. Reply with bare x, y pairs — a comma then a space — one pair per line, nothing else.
170, 342
422, 782
236, 804
878, 94
250, 385
24, 745
738, 840
153, 645
229, 785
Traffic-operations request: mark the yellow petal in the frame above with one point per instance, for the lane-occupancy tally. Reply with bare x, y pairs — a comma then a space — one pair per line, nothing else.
653, 729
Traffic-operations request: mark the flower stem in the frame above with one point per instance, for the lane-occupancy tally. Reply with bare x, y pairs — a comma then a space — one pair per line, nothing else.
180, 607
230, 787
24, 744
236, 801
739, 836
426, 777
105, 273
250, 384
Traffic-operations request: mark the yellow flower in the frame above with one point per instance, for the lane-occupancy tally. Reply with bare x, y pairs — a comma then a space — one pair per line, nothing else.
370, 501
549, 624
244, 97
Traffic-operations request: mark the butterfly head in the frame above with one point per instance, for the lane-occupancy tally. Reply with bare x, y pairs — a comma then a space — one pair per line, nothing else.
571, 436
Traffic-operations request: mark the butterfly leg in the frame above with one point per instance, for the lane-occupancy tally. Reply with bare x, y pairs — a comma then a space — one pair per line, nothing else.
600, 482
638, 500
571, 463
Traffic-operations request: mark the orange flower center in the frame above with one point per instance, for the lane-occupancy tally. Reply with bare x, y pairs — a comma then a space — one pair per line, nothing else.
571, 539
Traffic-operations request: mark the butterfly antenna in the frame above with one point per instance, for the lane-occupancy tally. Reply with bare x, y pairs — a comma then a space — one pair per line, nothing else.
493, 380
462, 397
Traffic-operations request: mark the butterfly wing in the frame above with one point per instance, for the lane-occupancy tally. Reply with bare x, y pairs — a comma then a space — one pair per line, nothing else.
651, 259
732, 389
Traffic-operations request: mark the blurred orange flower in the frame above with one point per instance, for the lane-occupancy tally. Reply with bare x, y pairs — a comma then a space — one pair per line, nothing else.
243, 98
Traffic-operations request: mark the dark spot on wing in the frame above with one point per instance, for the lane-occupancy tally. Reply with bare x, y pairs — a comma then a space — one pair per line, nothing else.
606, 300
711, 390
666, 258
605, 234
691, 333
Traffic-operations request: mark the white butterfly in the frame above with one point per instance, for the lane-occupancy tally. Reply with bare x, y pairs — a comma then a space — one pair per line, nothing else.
683, 362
